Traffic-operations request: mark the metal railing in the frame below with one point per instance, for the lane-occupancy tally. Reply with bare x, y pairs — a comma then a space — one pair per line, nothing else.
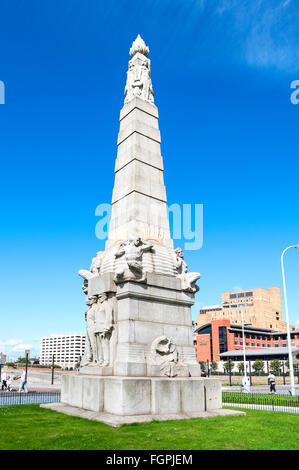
21, 398
259, 401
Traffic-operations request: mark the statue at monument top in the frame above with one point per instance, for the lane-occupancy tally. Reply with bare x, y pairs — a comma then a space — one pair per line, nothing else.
139, 82
139, 46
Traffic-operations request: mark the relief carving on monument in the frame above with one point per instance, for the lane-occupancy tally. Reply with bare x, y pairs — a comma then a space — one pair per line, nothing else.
94, 270
139, 82
164, 353
100, 324
132, 252
90, 349
188, 279
104, 324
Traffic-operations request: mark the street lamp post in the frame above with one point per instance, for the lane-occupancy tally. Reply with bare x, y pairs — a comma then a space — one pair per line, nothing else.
245, 378
244, 354
52, 375
291, 369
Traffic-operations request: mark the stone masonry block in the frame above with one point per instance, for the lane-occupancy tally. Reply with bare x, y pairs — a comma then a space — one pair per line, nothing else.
125, 396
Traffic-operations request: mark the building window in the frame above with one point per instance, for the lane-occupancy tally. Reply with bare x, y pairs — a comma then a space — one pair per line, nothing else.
222, 339
232, 296
241, 294
249, 294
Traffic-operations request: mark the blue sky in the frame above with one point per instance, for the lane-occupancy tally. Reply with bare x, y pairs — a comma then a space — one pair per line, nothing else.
221, 73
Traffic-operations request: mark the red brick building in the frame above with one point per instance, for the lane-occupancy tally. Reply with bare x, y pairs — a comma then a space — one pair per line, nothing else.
220, 336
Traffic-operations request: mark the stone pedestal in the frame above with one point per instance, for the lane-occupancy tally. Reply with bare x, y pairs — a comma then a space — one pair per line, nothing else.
124, 400
145, 312
133, 396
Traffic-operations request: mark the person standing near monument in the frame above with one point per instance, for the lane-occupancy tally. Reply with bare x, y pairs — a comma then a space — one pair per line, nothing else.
271, 382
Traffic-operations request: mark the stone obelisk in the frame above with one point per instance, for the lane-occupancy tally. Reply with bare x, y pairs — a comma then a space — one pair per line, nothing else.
140, 361
139, 195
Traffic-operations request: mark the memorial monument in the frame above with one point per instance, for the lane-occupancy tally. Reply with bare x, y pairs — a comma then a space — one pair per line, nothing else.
140, 362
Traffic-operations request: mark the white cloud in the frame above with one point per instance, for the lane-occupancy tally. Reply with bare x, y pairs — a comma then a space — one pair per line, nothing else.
9, 346
13, 342
268, 30
22, 347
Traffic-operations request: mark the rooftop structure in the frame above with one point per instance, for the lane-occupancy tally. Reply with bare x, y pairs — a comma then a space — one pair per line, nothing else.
261, 308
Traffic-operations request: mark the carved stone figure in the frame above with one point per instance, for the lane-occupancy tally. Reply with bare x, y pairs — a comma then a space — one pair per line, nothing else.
147, 88
164, 354
130, 81
90, 345
104, 323
188, 279
100, 319
94, 270
132, 251
139, 82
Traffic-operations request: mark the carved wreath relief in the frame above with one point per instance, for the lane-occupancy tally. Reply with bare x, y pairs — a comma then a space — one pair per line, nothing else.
164, 354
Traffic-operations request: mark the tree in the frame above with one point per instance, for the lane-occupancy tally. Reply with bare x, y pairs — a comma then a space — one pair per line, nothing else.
241, 367
275, 365
21, 360
228, 365
214, 366
258, 366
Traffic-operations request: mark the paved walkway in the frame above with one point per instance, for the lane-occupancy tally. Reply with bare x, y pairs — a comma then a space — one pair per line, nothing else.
39, 388
281, 389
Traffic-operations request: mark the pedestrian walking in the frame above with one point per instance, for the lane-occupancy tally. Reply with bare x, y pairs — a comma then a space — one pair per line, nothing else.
4, 381
23, 384
271, 382
9, 382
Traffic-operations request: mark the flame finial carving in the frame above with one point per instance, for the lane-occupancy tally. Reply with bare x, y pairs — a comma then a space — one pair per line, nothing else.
139, 46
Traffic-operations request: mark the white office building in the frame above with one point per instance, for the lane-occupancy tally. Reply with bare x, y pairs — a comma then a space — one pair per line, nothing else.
67, 350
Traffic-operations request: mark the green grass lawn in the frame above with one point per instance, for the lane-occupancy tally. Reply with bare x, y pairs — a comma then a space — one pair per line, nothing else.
31, 427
